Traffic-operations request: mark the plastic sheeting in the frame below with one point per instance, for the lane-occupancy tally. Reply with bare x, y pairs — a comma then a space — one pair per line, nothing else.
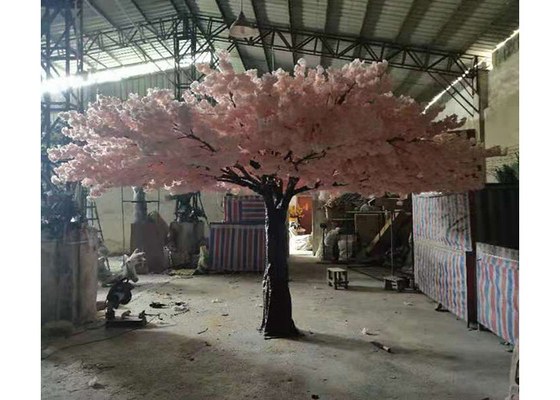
244, 209
235, 247
498, 290
442, 236
442, 219
441, 274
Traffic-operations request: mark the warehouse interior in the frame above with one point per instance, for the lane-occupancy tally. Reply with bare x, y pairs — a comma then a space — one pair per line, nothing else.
148, 293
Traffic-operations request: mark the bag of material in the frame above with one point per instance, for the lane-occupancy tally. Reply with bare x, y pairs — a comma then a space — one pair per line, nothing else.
203, 261
330, 242
345, 246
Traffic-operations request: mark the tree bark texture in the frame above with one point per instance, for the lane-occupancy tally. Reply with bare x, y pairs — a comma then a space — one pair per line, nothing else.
277, 302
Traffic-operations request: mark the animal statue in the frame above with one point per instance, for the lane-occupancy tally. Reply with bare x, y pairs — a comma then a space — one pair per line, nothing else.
127, 269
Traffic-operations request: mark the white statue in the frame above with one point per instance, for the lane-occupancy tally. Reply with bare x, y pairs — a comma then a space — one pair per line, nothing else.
128, 268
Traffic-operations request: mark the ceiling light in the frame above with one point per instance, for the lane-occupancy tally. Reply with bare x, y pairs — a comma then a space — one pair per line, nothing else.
241, 28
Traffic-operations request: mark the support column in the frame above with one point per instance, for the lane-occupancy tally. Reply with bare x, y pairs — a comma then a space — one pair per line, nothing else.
61, 56
191, 40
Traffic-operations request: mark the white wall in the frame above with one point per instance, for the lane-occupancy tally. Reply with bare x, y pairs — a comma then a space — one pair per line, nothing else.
109, 207
502, 114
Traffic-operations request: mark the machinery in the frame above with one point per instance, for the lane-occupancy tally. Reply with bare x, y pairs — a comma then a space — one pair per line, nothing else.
121, 293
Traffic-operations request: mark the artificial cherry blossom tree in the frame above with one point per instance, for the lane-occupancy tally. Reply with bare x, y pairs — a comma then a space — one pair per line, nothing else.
277, 135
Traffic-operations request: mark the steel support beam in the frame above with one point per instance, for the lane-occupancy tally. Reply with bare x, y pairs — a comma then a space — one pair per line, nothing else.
295, 11
508, 10
372, 15
227, 20
262, 19
454, 23
401, 56
135, 46
187, 43
61, 56
332, 19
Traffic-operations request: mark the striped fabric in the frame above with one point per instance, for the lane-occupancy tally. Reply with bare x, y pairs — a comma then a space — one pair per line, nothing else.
235, 247
244, 209
442, 219
498, 290
441, 274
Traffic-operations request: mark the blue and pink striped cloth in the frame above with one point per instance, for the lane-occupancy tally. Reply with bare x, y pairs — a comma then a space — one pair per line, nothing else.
442, 219
441, 274
498, 290
441, 229
236, 247
244, 209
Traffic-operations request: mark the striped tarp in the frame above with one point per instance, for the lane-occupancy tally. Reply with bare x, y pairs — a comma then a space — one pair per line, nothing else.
442, 219
235, 247
244, 209
441, 274
498, 290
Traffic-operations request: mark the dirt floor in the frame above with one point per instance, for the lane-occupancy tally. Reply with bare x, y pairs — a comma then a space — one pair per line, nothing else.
214, 351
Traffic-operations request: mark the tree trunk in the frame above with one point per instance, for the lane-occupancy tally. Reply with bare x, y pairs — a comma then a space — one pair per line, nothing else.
277, 302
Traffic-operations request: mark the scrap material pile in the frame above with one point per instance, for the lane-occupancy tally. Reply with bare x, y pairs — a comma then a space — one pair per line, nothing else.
186, 233
368, 229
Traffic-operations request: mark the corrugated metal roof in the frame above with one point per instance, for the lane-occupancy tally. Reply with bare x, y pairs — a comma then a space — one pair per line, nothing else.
474, 26
387, 19
277, 12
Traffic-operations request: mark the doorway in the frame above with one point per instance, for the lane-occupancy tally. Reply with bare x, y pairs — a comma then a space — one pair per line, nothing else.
301, 224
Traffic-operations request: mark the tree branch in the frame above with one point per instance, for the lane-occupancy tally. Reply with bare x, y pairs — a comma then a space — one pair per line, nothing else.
307, 188
311, 156
343, 97
247, 175
239, 182
192, 136
232, 177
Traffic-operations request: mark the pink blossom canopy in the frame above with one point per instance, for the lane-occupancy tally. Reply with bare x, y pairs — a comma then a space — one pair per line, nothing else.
321, 129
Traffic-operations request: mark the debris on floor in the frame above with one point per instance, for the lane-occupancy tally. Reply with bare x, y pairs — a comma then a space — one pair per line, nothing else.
100, 367
94, 384
381, 346
183, 273
408, 303
181, 308
157, 304
198, 333
217, 301
441, 308
510, 347
366, 331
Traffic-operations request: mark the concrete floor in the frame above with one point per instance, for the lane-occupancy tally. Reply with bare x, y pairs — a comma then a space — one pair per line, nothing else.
435, 356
